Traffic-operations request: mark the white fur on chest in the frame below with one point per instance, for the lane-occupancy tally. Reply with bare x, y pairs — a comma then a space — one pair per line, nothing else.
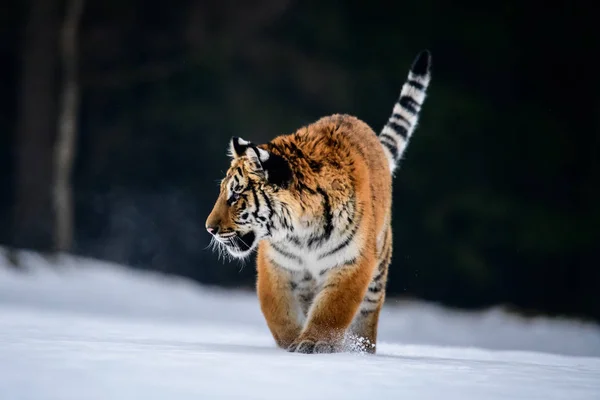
316, 261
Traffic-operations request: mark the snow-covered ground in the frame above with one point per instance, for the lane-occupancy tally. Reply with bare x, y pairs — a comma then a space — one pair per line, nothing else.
87, 330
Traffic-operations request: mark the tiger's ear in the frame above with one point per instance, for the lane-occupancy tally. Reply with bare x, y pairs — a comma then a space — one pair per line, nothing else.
275, 169
238, 147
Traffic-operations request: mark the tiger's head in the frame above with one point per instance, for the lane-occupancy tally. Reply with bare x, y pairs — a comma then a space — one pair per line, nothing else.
248, 199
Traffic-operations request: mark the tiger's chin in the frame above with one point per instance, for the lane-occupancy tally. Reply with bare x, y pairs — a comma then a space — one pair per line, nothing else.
242, 245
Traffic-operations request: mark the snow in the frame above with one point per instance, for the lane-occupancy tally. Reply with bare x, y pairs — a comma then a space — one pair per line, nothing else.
86, 329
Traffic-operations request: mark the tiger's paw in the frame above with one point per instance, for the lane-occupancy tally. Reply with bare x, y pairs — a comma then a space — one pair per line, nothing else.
310, 346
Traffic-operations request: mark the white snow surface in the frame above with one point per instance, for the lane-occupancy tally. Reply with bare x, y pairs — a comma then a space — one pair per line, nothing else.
88, 330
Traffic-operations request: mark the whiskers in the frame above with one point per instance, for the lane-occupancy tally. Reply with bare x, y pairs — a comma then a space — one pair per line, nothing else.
221, 248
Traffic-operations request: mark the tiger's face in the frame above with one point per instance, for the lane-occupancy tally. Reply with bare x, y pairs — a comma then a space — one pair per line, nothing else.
244, 211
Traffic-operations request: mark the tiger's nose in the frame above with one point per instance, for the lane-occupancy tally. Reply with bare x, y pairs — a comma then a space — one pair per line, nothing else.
212, 229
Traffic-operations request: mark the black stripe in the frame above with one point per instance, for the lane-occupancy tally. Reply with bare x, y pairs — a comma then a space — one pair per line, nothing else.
350, 204
399, 129
286, 254
300, 183
345, 243
268, 203
307, 298
256, 203
384, 245
389, 138
294, 239
328, 215
328, 228
392, 149
401, 118
416, 85
285, 218
369, 300
366, 312
297, 153
381, 268
315, 165
377, 288
388, 142
379, 275
409, 104
387, 259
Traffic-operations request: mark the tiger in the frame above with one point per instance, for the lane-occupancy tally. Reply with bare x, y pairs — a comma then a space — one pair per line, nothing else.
315, 206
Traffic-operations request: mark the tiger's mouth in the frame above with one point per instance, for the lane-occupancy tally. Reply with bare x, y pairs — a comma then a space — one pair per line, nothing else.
240, 245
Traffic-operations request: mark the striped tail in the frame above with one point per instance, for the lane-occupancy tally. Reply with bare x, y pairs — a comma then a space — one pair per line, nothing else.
397, 132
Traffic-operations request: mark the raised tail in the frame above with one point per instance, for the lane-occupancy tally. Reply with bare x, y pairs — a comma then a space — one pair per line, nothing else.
397, 132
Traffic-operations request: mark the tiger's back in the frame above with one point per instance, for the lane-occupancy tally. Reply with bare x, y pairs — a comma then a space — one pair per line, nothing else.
317, 204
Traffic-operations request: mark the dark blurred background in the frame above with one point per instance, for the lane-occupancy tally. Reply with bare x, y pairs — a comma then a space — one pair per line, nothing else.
498, 197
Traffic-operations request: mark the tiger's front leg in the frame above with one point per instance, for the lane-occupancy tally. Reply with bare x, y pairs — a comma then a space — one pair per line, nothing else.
334, 308
277, 302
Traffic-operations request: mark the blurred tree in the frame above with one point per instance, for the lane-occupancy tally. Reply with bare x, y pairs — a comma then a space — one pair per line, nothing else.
67, 129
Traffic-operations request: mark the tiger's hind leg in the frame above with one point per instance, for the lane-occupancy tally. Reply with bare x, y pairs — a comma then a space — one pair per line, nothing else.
362, 335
